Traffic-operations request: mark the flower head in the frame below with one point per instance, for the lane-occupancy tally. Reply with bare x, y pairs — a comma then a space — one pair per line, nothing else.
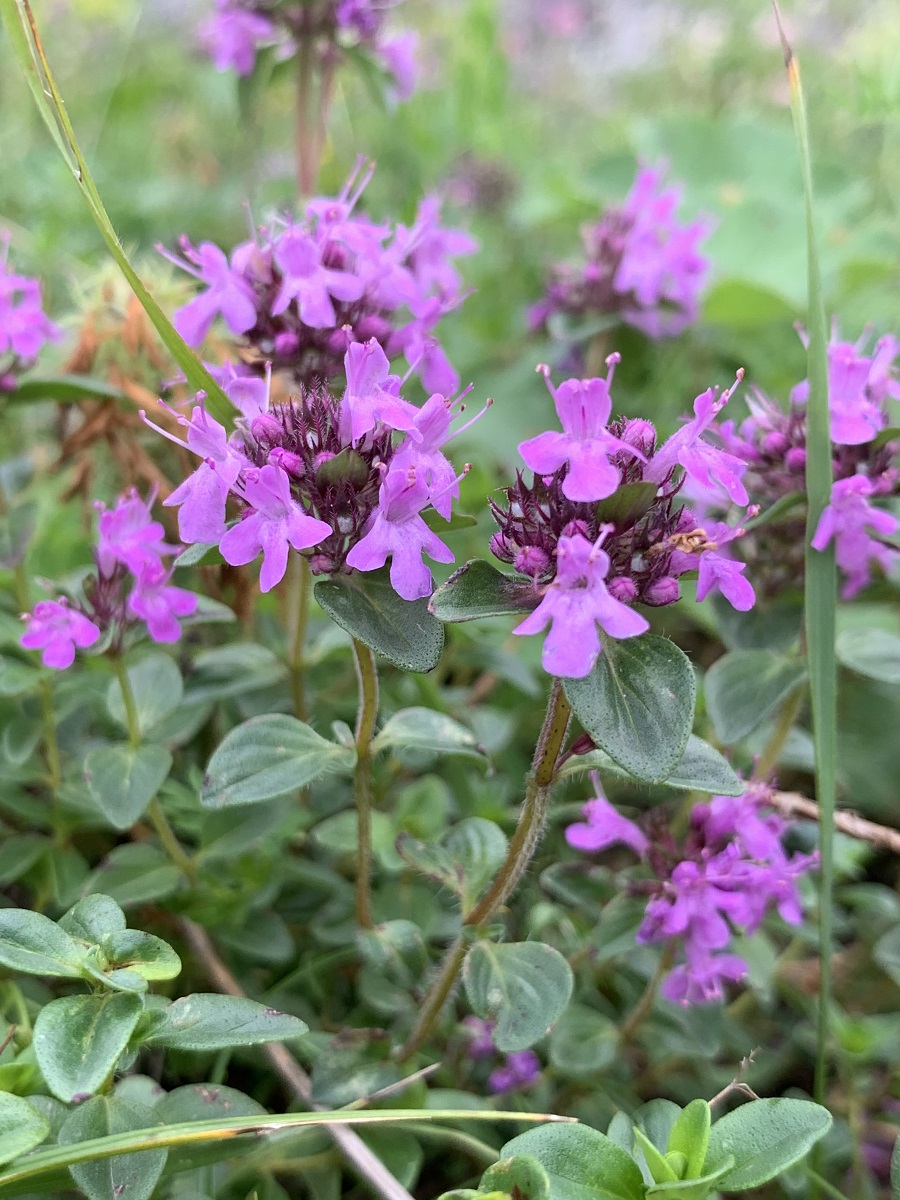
858, 386
57, 631
159, 604
850, 520
24, 327
233, 34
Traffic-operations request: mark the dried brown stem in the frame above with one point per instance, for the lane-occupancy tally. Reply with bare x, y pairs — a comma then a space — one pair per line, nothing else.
792, 804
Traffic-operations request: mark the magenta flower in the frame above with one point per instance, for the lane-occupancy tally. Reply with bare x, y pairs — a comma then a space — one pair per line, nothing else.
701, 978
422, 351
57, 630
432, 425
396, 529
713, 469
575, 604
232, 36
520, 1070
276, 523
129, 535
24, 327
371, 395
227, 293
858, 387
604, 826
308, 281
398, 55
847, 520
584, 407
160, 605
479, 1032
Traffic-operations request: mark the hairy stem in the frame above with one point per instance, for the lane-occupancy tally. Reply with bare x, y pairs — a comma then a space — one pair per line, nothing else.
367, 675
298, 597
518, 857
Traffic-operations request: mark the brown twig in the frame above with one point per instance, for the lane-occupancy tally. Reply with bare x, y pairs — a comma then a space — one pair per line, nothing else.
792, 804
357, 1154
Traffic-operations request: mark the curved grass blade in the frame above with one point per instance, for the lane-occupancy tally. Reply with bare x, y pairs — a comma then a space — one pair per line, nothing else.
44, 1162
22, 28
821, 573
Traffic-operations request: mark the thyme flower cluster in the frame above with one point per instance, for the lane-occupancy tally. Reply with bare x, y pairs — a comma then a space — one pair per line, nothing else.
24, 326
303, 289
601, 525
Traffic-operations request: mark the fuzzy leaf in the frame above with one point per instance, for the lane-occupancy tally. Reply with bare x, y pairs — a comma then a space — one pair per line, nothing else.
479, 590
21, 1127
123, 780
207, 1021
133, 1176
745, 687
523, 986
581, 1163
78, 1040
765, 1137
35, 945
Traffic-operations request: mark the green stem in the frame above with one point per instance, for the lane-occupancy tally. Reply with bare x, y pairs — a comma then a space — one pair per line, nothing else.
367, 675
645, 1004
787, 718
828, 1188
518, 857
155, 811
298, 598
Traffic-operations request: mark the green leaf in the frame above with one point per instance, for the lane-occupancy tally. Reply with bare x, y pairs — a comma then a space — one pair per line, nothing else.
440, 525
33, 62
523, 986
701, 769
35, 945
124, 780
690, 1189
267, 757
520, 1176
64, 389
233, 670
200, 554
21, 1127
203, 1102
690, 1136
479, 590
208, 1021
583, 1042
638, 704
367, 607
582, 1164
136, 873
745, 687
93, 919
157, 687
143, 953
657, 1119
765, 1137
131, 1175
871, 652
425, 729
660, 1168
465, 860
626, 505
886, 952
78, 1040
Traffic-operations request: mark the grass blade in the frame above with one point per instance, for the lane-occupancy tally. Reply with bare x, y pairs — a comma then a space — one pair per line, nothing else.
821, 573
22, 29
56, 1158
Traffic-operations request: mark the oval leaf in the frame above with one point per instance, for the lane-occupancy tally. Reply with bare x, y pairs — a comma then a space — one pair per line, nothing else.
93, 919
479, 590
268, 757
638, 704
765, 1137
523, 986
35, 945
871, 652
582, 1164
21, 1127
745, 687
78, 1040
701, 769
367, 607
520, 1176
157, 686
132, 1176
425, 729
208, 1021
123, 780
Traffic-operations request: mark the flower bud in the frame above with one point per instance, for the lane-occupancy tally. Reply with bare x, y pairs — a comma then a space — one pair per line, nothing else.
286, 344
321, 564
774, 444
287, 460
640, 434
8, 383
574, 528
266, 427
622, 588
532, 561
795, 459
661, 591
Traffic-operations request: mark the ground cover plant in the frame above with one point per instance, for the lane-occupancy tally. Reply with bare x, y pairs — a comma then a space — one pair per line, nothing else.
448, 566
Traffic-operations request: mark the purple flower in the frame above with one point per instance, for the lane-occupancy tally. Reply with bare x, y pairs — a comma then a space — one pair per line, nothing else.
24, 327
398, 55
371, 394
423, 352
701, 978
479, 1032
276, 523
520, 1070
396, 528
429, 248
586, 445
227, 293
661, 270
160, 605
858, 387
129, 535
432, 425
308, 281
56, 630
575, 604
713, 469
847, 520
604, 826
232, 35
